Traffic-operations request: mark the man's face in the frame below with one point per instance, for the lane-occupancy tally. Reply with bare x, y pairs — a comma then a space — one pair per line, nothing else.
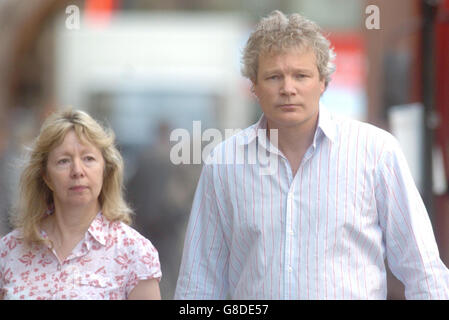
288, 88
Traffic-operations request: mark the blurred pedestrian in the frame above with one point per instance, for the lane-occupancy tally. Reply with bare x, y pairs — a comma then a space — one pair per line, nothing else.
161, 194
4, 179
71, 238
340, 200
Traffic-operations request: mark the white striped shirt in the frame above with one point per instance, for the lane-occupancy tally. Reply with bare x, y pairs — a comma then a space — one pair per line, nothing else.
321, 234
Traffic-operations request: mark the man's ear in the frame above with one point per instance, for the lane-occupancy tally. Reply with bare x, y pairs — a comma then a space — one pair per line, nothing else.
253, 89
322, 85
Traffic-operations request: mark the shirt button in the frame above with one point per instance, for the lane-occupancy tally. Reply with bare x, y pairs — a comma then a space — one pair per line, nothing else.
290, 232
290, 269
59, 267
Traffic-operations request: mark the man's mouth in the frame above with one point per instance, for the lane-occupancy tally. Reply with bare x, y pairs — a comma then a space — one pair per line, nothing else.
289, 106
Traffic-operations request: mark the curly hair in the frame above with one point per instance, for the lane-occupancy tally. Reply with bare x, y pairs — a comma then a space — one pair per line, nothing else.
35, 196
278, 32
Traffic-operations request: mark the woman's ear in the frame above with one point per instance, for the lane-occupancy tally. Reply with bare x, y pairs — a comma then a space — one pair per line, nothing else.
47, 181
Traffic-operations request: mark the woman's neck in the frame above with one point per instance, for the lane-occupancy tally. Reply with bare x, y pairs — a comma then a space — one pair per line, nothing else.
67, 225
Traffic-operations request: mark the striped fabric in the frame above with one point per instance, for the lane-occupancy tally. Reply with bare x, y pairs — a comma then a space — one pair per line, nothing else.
322, 234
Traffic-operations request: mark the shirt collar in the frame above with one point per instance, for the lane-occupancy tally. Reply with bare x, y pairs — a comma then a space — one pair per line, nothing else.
249, 134
98, 228
325, 125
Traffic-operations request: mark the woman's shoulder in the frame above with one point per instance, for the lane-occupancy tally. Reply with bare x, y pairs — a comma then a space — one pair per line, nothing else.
132, 248
127, 236
136, 247
11, 242
15, 236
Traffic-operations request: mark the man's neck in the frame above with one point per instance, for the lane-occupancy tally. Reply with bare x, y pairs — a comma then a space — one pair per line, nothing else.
294, 141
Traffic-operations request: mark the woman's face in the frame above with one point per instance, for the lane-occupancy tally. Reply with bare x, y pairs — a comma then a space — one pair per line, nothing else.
75, 173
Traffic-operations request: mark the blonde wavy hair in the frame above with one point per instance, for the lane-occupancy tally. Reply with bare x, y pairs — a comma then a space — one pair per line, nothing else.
35, 197
278, 32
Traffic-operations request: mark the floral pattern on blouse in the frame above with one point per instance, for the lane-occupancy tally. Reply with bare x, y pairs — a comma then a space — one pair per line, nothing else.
107, 264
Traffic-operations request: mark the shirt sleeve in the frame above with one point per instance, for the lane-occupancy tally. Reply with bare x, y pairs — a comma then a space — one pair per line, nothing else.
145, 263
204, 267
411, 249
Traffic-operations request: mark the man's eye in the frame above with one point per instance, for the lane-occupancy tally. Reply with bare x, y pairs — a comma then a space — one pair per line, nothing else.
63, 161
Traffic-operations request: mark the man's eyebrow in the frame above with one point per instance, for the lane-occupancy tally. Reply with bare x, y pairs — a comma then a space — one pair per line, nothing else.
275, 70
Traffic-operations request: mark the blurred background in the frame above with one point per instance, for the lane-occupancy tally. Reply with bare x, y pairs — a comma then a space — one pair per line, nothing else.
147, 67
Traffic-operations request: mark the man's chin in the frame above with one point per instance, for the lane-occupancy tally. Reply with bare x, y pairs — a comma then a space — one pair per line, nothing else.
286, 121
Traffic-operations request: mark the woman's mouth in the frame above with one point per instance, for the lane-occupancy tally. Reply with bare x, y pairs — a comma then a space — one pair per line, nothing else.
78, 188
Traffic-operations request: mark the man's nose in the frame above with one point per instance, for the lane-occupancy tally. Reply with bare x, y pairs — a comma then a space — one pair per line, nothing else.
288, 86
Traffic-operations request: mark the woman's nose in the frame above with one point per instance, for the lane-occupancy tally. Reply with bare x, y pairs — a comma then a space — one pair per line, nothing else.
77, 169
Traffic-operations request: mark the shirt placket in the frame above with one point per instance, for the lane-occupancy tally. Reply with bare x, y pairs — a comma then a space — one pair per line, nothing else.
68, 275
289, 234
292, 250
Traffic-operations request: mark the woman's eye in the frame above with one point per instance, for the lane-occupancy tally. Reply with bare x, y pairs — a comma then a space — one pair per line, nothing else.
63, 161
89, 158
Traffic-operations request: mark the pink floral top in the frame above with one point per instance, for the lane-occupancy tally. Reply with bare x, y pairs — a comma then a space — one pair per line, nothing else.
107, 264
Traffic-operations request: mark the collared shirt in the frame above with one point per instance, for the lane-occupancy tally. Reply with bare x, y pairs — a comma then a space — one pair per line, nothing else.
107, 264
323, 233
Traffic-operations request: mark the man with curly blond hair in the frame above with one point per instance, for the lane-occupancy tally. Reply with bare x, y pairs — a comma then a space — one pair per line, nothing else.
341, 201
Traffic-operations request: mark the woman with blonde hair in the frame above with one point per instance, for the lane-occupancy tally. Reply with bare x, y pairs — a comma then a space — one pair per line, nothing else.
72, 238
